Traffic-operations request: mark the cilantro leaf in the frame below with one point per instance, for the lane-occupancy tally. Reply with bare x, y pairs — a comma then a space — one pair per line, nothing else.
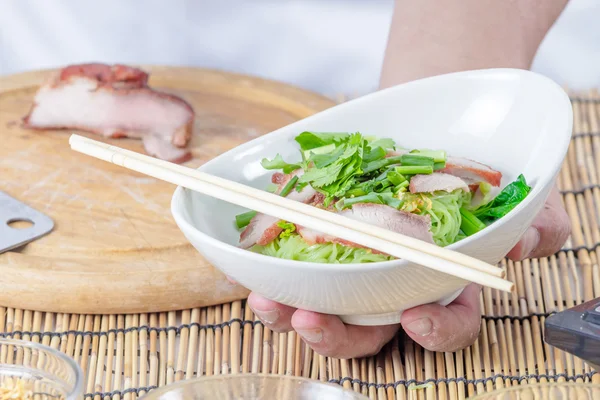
334, 173
374, 154
324, 160
279, 163
312, 140
384, 143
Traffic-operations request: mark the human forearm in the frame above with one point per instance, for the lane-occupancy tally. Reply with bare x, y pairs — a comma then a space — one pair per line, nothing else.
432, 37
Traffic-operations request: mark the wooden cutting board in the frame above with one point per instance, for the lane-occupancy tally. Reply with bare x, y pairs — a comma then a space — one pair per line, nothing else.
115, 247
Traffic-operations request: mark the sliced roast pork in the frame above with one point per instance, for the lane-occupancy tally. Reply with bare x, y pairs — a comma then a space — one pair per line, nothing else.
114, 101
436, 181
472, 171
263, 229
380, 215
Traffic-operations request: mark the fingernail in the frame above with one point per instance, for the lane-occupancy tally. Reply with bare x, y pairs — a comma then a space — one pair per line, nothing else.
311, 335
268, 317
530, 241
421, 327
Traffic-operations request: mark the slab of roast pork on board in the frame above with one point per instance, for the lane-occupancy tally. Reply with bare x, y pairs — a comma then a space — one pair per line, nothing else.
114, 101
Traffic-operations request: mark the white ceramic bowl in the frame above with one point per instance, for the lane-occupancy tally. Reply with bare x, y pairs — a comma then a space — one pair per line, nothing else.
513, 120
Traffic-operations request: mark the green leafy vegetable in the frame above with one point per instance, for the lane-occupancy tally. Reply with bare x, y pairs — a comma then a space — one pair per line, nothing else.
384, 143
351, 169
334, 174
326, 159
294, 247
375, 154
509, 198
279, 163
288, 229
312, 140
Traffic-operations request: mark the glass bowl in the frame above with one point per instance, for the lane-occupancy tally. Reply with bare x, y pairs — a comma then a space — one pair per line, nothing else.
545, 391
33, 371
252, 387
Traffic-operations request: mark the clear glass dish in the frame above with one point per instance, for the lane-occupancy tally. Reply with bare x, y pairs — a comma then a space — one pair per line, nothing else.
33, 371
252, 387
545, 391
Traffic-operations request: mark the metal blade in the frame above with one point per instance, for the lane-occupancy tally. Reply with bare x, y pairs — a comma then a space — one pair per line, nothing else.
12, 210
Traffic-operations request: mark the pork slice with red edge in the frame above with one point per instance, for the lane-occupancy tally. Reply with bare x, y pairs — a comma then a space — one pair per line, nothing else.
114, 101
435, 182
472, 170
263, 228
383, 216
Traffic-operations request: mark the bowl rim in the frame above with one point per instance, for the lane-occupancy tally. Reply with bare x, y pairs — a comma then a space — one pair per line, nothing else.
543, 182
538, 385
232, 377
78, 386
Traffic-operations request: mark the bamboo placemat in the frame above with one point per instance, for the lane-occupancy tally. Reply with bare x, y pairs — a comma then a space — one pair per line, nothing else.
125, 356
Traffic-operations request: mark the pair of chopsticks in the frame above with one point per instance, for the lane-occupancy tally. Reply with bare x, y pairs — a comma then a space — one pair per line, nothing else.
389, 242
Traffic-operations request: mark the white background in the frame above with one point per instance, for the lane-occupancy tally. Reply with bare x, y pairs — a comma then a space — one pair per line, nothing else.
329, 46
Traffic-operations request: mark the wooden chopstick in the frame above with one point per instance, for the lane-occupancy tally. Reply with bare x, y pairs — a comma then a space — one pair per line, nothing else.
398, 238
397, 245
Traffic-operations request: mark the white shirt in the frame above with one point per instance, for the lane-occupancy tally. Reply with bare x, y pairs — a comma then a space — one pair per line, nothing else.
328, 46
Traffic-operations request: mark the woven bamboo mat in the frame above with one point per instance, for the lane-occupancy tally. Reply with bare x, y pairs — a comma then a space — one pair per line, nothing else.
125, 356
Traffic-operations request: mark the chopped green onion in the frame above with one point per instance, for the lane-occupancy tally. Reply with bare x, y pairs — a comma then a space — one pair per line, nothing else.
439, 165
470, 224
403, 184
355, 192
242, 220
288, 187
410, 170
375, 154
437, 155
390, 200
379, 186
375, 165
416, 160
368, 198
395, 177
380, 177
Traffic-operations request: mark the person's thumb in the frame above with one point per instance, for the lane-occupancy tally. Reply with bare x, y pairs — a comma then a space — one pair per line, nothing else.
549, 231
450, 328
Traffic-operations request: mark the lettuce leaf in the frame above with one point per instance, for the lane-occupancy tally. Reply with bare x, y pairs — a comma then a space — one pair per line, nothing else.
507, 199
293, 247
